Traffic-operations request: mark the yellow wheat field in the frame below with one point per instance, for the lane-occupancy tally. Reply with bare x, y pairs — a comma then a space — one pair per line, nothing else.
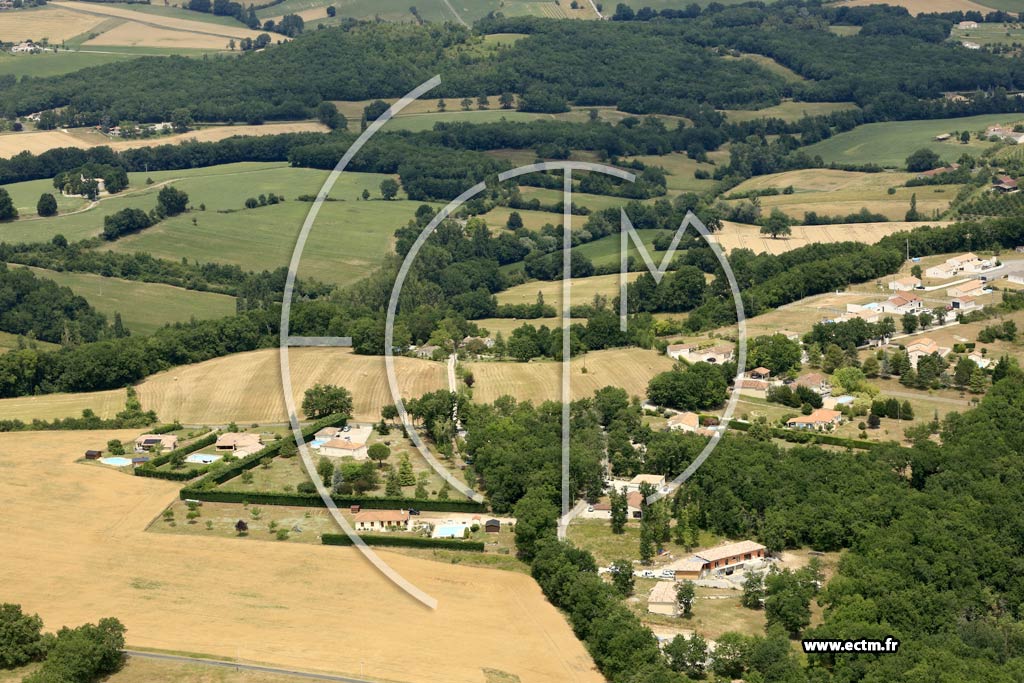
106, 404
75, 550
918, 6
539, 381
246, 387
738, 235
134, 34
169, 23
55, 24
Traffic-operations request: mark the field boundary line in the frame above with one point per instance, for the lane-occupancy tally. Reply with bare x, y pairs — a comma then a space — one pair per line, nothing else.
223, 664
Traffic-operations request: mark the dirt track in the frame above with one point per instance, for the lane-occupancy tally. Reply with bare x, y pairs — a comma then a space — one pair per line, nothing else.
75, 550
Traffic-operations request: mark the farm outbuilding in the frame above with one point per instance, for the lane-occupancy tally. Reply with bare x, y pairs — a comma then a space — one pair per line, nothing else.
662, 599
93, 455
492, 526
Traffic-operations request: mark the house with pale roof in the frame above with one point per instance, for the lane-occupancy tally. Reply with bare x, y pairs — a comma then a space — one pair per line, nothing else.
905, 284
655, 480
902, 304
662, 599
382, 520
971, 288
344, 447
925, 346
821, 418
815, 381
688, 422
161, 442
677, 351
692, 353
239, 443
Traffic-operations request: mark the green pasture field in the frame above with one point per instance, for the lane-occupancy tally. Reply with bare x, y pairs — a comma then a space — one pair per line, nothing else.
889, 144
594, 202
52, 63
177, 12
144, 306
774, 67
788, 110
606, 250
9, 342
680, 169
841, 30
1005, 5
989, 34
455, 114
26, 195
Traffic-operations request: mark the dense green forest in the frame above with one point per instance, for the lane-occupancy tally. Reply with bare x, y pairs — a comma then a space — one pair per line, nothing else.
673, 66
38, 308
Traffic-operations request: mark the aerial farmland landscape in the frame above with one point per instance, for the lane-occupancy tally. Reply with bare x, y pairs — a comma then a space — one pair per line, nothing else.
511, 341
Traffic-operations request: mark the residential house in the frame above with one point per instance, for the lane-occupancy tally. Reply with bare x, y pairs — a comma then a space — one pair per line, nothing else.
240, 444
901, 304
868, 312
26, 47
941, 169
677, 351
328, 433
955, 264
693, 354
816, 382
634, 505
942, 137
973, 288
662, 599
486, 342
790, 335
1004, 184
1003, 133
752, 387
925, 346
821, 418
344, 447
162, 442
687, 422
1016, 277
971, 46
655, 480
427, 350
961, 304
718, 560
905, 284
967, 25
382, 520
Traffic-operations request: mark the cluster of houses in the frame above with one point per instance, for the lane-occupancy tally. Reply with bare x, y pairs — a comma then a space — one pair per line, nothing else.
137, 130
964, 264
26, 47
1004, 133
471, 344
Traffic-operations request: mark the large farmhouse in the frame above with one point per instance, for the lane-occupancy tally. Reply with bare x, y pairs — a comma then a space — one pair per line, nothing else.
717, 560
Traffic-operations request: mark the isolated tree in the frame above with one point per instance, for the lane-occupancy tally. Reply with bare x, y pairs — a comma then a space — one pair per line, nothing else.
777, 224
912, 213
965, 137
445, 491
874, 421
622, 577
421, 486
753, 590
620, 510
325, 468
647, 548
686, 591
977, 383
515, 221
441, 105
482, 102
922, 160
379, 452
507, 100
47, 205
406, 477
467, 104
388, 188
870, 367
7, 210
115, 447
323, 400
536, 520
332, 11
171, 201
916, 271
392, 486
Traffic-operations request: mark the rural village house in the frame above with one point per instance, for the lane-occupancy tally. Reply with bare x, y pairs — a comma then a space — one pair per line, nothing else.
382, 520
821, 418
718, 559
162, 442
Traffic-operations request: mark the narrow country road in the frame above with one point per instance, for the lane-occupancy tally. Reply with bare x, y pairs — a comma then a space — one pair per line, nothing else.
243, 667
451, 373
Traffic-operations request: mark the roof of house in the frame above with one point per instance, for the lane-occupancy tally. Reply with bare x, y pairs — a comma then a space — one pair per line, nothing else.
728, 550
816, 417
652, 479
720, 349
686, 419
687, 564
382, 516
908, 281
680, 347
343, 444
970, 256
924, 344
663, 591
964, 299
970, 286
762, 371
93, 452
238, 439
634, 499
156, 438
492, 522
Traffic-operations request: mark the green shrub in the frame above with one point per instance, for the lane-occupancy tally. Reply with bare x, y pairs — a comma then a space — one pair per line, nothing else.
401, 540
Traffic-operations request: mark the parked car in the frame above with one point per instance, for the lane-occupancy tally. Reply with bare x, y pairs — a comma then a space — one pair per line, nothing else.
346, 428
413, 511
668, 574
590, 508
645, 574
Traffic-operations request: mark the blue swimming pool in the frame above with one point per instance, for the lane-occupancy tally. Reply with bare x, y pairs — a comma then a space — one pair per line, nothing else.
203, 458
317, 443
116, 462
449, 531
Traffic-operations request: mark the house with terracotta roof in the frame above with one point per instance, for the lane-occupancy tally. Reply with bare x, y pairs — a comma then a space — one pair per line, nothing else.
720, 559
688, 422
925, 346
965, 303
1004, 184
901, 304
344, 447
382, 520
821, 418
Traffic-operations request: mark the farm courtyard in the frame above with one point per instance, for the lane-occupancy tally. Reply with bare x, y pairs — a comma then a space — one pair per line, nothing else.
76, 549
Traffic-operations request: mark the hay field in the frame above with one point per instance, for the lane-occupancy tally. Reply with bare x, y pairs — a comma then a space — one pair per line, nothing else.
920, 6
106, 404
136, 34
680, 169
737, 235
37, 142
283, 604
169, 23
246, 387
52, 22
788, 110
539, 381
825, 180
583, 290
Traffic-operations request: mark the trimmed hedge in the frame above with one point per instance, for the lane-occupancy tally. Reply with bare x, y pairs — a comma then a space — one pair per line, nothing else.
204, 488
398, 540
808, 437
149, 468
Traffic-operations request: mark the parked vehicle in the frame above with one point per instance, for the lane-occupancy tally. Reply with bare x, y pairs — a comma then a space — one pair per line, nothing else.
668, 574
413, 511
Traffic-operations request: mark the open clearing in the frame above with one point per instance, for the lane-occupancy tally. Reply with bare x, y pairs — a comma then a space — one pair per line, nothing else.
284, 604
38, 142
51, 22
144, 306
583, 290
539, 381
788, 110
106, 404
738, 235
680, 169
246, 387
889, 144
919, 6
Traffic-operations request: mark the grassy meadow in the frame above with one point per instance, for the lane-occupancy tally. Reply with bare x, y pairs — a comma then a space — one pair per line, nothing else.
787, 110
144, 306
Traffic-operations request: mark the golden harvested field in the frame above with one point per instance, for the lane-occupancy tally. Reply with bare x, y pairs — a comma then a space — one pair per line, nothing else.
737, 235
140, 670
53, 23
75, 550
539, 381
135, 34
38, 142
583, 290
106, 404
918, 6
246, 387
159, 21
825, 180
